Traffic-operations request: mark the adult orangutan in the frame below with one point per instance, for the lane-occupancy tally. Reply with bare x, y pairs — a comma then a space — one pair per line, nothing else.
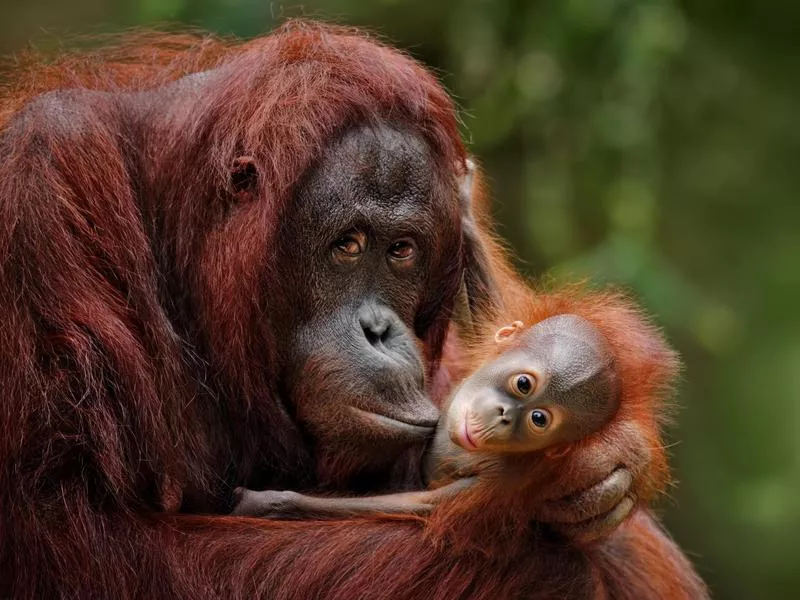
228, 265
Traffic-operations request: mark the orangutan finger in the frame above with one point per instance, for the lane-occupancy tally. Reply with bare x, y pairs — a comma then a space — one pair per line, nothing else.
600, 526
589, 503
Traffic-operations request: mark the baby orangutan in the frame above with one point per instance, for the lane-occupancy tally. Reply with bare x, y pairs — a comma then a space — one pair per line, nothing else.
553, 383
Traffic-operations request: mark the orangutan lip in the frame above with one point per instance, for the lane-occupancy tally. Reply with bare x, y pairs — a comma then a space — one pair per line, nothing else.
395, 424
466, 437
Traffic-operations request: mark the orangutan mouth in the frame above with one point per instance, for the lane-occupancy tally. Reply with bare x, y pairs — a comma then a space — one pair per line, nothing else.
463, 438
423, 428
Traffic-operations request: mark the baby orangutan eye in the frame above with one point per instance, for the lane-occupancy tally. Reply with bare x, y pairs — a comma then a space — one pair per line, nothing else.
523, 384
540, 418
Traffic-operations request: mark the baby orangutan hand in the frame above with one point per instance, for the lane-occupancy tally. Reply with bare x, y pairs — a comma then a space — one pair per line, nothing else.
610, 478
594, 512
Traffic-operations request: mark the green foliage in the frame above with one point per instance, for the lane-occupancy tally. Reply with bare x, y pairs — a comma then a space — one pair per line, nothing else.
650, 144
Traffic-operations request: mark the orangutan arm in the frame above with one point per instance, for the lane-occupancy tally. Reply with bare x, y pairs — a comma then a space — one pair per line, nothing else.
640, 560
273, 504
236, 557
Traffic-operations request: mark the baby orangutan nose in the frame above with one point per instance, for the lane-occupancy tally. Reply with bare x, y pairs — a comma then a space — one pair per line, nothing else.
504, 416
498, 414
493, 419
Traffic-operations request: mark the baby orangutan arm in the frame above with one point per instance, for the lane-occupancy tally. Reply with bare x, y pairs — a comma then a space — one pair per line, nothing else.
274, 504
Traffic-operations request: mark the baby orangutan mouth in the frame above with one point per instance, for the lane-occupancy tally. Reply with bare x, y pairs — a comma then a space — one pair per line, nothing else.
462, 437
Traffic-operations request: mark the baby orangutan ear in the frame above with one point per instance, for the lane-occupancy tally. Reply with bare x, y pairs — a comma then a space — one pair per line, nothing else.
244, 178
509, 331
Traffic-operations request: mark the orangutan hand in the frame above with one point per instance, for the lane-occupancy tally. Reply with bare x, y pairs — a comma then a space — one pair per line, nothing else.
601, 484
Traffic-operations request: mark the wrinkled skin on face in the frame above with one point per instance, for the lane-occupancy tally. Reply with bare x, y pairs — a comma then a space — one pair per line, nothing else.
371, 234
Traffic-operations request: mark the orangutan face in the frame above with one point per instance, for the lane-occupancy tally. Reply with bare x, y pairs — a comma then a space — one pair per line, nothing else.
370, 235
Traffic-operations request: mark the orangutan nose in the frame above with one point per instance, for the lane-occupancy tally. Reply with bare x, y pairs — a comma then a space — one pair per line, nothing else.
388, 337
377, 324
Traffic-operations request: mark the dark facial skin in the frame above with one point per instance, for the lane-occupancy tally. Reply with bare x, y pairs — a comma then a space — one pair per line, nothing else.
352, 367
555, 384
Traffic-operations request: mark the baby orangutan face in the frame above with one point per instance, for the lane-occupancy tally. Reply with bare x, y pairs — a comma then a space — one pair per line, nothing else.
554, 384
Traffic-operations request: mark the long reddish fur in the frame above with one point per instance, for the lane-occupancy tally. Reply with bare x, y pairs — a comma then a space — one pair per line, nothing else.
116, 411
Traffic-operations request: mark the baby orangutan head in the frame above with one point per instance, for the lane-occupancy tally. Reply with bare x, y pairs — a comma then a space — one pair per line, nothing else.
555, 383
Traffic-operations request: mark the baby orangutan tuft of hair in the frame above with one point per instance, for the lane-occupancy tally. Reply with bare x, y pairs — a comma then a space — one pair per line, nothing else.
553, 384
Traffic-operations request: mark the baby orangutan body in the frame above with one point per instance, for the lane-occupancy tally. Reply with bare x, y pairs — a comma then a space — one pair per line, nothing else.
553, 384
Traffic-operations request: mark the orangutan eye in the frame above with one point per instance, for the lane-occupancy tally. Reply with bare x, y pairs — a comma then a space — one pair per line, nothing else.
350, 245
540, 418
402, 250
523, 384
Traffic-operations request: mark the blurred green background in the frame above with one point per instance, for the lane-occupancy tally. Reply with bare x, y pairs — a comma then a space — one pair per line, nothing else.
650, 143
